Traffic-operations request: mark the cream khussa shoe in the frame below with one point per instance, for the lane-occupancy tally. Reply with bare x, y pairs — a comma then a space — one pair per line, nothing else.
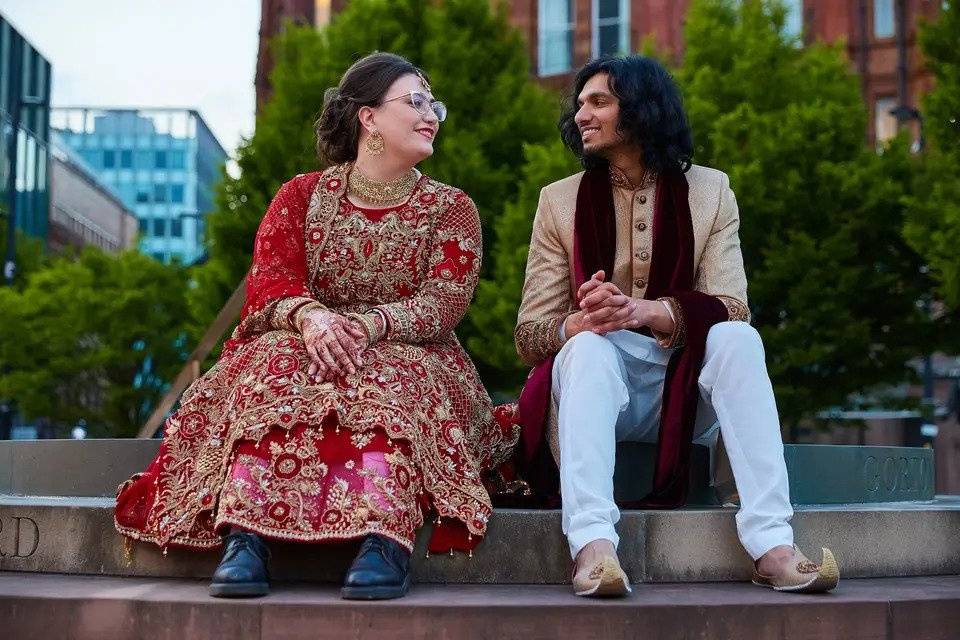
803, 576
604, 578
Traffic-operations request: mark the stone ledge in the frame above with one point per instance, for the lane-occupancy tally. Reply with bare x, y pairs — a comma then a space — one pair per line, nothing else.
819, 474
127, 608
76, 536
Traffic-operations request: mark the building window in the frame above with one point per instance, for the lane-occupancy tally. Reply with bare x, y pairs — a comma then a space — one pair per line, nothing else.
793, 21
885, 124
91, 157
159, 227
143, 195
611, 27
159, 193
177, 160
883, 18
109, 159
176, 228
554, 36
126, 159
160, 159
158, 256
176, 193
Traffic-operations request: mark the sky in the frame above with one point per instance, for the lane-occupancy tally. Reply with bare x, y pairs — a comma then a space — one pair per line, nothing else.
200, 54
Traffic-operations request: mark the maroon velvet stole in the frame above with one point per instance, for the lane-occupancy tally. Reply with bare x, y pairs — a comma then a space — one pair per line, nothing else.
671, 274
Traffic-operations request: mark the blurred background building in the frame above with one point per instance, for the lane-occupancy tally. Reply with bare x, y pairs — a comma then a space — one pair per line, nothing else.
163, 163
25, 77
83, 210
562, 35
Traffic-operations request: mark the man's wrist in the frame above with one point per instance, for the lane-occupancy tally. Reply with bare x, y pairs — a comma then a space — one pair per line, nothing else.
573, 325
660, 318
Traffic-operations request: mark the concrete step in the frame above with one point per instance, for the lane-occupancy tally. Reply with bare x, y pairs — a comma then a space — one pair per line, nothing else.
819, 474
34, 606
75, 535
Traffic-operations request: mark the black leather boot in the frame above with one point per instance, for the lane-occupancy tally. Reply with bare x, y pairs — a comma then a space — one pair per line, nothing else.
242, 572
380, 571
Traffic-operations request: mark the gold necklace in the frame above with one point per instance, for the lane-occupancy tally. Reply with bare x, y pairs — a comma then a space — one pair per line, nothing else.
381, 193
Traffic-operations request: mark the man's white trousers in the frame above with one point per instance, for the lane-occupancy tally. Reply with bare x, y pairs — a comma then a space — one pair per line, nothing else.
609, 389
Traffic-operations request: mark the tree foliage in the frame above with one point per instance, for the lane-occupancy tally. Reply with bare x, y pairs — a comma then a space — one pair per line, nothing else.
834, 287
933, 229
93, 337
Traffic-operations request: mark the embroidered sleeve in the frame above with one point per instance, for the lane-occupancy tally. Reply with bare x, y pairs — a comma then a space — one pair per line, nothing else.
277, 293
721, 272
374, 324
546, 301
442, 300
539, 339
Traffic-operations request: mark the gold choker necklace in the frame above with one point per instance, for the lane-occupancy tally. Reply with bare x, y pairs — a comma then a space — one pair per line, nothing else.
381, 193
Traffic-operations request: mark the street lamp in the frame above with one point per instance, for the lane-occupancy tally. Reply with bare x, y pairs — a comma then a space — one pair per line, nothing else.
928, 425
10, 263
905, 114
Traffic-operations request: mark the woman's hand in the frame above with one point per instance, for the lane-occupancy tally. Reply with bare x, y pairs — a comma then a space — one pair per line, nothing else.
334, 344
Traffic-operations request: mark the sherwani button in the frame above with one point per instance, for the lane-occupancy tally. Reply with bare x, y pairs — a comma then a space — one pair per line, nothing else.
641, 226
642, 199
640, 283
644, 255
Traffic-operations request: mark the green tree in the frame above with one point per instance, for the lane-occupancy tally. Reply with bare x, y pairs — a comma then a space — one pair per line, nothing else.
933, 228
833, 285
494, 312
29, 252
93, 338
478, 66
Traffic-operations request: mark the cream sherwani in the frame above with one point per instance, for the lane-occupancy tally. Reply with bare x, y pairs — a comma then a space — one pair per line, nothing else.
608, 388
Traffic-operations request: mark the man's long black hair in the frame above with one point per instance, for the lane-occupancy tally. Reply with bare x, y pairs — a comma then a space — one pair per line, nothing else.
651, 112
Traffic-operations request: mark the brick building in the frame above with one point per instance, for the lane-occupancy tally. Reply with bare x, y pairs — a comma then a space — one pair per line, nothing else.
881, 37
273, 15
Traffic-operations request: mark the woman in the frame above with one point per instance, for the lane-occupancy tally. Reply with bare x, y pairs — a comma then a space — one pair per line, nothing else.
343, 406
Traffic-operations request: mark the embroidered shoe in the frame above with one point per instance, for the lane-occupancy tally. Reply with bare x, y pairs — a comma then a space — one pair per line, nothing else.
603, 579
804, 576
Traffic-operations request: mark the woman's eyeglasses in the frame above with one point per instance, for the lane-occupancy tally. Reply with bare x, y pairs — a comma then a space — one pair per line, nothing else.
423, 104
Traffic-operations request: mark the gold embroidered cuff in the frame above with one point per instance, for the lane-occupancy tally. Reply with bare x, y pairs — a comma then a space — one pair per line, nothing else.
540, 339
736, 310
282, 312
371, 327
296, 318
677, 337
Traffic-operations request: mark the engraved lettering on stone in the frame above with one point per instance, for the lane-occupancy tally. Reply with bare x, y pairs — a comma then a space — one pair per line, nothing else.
890, 474
903, 478
20, 541
871, 474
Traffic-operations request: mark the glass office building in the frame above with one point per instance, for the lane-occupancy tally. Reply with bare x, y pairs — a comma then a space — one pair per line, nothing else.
24, 88
163, 163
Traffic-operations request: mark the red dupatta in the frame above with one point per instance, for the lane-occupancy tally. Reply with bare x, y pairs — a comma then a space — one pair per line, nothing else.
671, 275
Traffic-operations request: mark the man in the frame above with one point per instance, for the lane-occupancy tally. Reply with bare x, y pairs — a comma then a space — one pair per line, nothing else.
635, 316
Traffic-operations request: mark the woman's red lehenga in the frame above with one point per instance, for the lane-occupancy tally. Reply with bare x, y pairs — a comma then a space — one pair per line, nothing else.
259, 445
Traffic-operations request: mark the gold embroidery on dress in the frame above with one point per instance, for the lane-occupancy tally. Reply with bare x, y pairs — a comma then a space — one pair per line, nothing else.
419, 386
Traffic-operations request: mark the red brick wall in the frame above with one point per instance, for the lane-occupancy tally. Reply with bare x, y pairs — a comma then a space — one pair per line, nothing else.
828, 20
273, 13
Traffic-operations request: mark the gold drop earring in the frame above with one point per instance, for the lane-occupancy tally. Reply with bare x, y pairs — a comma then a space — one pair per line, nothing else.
375, 143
